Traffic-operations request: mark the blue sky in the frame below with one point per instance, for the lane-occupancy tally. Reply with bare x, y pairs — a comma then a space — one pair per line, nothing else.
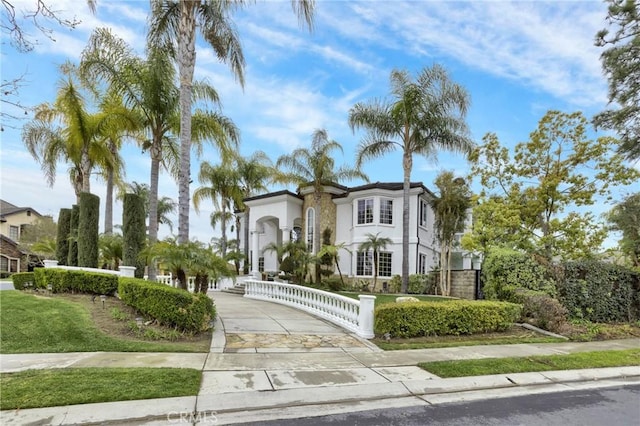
516, 59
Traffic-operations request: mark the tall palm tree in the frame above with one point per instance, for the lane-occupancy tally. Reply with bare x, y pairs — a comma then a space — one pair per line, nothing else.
423, 115
315, 167
148, 86
177, 21
450, 208
255, 173
220, 185
374, 243
66, 131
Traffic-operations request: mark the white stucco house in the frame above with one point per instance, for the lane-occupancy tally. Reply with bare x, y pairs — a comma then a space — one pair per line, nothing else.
350, 213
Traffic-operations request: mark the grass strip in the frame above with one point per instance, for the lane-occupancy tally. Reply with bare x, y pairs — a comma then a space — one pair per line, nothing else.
51, 388
31, 324
576, 361
393, 346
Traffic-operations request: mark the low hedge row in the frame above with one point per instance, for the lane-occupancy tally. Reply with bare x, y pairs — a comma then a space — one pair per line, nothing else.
67, 281
21, 278
437, 318
169, 306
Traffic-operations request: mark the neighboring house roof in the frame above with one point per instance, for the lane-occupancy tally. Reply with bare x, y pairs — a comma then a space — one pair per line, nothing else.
7, 209
6, 241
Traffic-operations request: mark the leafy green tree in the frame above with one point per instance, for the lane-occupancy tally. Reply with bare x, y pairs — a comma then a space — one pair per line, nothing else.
110, 246
625, 217
176, 22
164, 207
332, 251
375, 244
40, 237
550, 182
451, 207
315, 167
621, 67
88, 225
424, 115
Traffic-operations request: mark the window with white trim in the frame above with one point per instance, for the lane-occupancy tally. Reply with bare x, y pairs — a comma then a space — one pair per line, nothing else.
384, 264
363, 263
14, 232
365, 211
424, 208
311, 225
386, 211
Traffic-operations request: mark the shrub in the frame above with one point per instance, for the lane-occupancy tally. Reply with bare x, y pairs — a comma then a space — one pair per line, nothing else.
88, 226
19, 279
599, 292
544, 311
72, 258
395, 284
444, 318
68, 281
133, 232
333, 283
62, 239
421, 284
506, 271
169, 306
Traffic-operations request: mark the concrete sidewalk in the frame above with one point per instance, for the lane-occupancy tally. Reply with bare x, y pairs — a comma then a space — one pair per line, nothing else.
269, 361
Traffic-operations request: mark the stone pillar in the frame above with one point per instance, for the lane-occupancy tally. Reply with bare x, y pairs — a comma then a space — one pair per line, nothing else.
466, 261
127, 271
365, 316
255, 255
286, 235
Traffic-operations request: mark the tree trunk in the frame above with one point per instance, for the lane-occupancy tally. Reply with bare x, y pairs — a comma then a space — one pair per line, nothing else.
156, 157
374, 269
448, 270
223, 229
407, 163
245, 268
108, 205
443, 265
186, 64
85, 165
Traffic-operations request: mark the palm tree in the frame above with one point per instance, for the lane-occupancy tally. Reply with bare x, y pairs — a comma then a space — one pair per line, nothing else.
333, 251
66, 131
149, 87
110, 250
177, 21
375, 244
424, 115
220, 185
315, 167
450, 210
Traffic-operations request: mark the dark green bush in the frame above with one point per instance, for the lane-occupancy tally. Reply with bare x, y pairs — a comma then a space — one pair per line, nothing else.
599, 291
133, 232
169, 306
72, 258
333, 284
62, 239
421, 284
544, 311
88, 226
504, 272
68, 281
444, 318
19, 279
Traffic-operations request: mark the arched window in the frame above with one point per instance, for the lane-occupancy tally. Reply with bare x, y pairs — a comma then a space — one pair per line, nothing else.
311, 225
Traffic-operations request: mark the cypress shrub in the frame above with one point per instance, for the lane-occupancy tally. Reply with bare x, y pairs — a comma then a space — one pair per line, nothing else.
133, 232
88, 225
72, 257
599, 291
62, 239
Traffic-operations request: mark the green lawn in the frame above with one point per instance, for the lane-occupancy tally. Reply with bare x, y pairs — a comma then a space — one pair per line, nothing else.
32, 324
464, 341
51, 388
480, 367
382, 298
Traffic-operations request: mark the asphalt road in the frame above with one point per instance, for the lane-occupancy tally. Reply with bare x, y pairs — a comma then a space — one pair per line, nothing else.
608, 406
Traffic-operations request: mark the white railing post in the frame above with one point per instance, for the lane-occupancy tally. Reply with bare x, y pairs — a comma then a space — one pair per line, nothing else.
50, 263
127, 271
365, 316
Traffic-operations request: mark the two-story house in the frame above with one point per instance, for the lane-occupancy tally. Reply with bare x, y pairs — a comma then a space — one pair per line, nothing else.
350, 213
13, 220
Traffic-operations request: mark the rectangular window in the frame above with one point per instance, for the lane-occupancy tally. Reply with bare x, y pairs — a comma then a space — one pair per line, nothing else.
4, 264
422, 263
363, 263
14, 232
384, 264
365, 211
261, 264
386, 212
424, 208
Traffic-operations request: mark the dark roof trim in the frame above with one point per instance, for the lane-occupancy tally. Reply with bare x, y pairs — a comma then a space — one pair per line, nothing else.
389, 186
273, 194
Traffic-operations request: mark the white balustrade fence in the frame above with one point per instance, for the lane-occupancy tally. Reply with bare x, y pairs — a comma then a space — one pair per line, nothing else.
353, 315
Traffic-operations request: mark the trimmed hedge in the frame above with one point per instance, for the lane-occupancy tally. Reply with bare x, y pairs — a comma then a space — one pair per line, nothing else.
67, 281
72, 258
169, 306
88, 225
444, 318
133, 232
62, 238
599, 291
20, 278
